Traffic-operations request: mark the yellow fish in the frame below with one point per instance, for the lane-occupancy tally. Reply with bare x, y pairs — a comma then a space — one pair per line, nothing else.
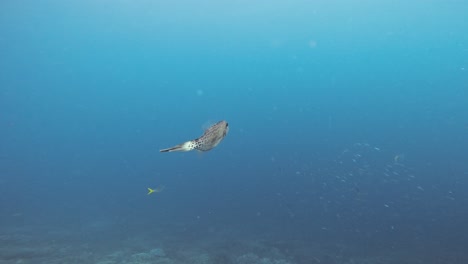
210, 139
158, 189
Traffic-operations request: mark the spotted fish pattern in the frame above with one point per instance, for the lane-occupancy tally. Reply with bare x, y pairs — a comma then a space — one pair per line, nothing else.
210, 139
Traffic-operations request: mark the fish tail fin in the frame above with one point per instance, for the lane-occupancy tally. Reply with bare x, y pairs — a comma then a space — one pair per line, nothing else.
186, 146
150, 191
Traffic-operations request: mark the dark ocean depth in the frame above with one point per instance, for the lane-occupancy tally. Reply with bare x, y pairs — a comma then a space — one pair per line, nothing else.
347, 142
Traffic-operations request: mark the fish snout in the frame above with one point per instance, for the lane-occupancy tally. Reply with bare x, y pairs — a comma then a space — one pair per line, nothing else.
226, 129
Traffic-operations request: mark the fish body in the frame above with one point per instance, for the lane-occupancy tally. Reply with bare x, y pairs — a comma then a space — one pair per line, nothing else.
156, 190
210, 139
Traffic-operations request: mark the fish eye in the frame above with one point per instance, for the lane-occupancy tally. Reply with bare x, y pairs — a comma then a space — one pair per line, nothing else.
227, 124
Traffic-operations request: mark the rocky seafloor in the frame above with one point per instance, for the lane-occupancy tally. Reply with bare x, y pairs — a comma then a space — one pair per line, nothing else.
32, 246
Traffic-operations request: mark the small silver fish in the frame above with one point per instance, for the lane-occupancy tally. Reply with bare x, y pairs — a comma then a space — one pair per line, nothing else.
210, 139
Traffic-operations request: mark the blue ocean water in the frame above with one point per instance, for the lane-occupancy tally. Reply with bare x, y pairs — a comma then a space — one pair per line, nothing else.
347, 143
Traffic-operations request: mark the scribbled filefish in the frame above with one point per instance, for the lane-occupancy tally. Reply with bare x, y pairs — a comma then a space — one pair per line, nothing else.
210, 139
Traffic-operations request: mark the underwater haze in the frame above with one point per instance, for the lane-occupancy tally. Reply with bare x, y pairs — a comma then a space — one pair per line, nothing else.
347, 143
